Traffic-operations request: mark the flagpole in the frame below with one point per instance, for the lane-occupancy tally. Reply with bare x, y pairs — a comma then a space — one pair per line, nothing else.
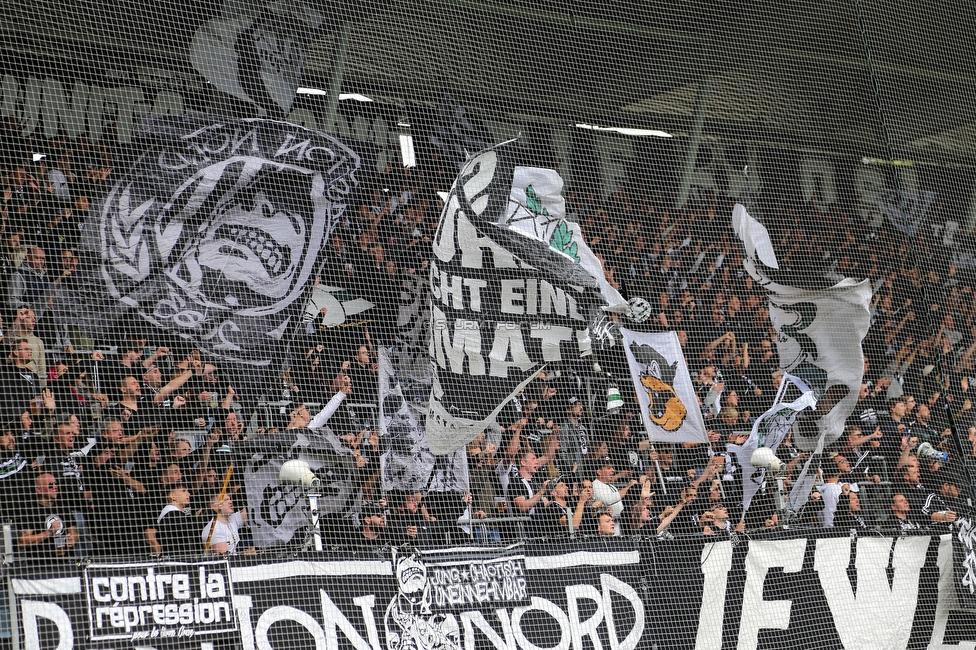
223, 494
660, 474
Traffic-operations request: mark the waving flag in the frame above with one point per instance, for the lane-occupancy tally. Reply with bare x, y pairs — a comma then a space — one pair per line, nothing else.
818, 332
669, 407
537, 209
503, 304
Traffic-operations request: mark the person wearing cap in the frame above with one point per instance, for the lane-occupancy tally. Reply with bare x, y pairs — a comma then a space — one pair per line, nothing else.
605, 491
558, 518
573, 439
372, 530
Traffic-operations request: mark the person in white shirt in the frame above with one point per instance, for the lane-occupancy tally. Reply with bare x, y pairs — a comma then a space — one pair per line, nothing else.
299, 417
226, 524
832, 488
610, 495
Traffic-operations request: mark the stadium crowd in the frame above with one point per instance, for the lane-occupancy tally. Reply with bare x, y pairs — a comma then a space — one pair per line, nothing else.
118, 447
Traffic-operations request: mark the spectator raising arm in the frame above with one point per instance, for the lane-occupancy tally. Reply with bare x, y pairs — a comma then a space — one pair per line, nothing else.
345, 388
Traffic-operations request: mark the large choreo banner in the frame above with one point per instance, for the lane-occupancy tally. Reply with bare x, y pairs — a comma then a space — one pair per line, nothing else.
216, 232
781, 592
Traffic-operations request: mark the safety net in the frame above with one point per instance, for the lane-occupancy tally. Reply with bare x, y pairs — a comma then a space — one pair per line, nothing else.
388, 325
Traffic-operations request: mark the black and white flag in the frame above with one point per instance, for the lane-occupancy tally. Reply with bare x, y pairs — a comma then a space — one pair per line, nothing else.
503, 304
276, 511
256, 51
907, 209
406, 460
216, 230
818, 332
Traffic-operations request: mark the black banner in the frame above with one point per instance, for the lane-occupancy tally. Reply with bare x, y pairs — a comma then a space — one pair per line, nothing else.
214, 233
503, 304
783, 591
149, 601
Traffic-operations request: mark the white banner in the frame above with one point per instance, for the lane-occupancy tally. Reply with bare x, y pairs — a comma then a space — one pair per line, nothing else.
537, 209
669, 406
818, 331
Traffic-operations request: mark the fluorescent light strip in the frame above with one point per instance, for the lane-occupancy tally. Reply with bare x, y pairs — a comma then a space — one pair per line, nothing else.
320, 92
406, 151
626, 131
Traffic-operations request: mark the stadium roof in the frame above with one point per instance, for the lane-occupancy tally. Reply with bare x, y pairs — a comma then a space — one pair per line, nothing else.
797, 74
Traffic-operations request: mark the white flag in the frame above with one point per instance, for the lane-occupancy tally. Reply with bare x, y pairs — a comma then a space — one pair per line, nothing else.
537, 209
769, 430
669, 406
818, 332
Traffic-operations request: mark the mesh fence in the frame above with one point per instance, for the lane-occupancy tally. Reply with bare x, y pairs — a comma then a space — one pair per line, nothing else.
518, 325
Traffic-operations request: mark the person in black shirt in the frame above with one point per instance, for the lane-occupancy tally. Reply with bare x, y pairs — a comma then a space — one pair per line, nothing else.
408, 525
558, 518
524, 492
629, 454
158, 498
904, 517
848, 513
15, 487
363, 371
46, 530
21, 385
911, 485
372, 532
177, 530
119, 497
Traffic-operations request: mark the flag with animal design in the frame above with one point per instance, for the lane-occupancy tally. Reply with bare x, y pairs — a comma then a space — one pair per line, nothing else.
669, 407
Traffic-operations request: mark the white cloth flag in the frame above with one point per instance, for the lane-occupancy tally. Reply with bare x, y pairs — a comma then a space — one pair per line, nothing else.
537, 209
669, 406
769, 430
818, 331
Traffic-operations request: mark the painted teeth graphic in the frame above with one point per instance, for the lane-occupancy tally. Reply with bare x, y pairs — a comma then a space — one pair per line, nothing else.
274, 258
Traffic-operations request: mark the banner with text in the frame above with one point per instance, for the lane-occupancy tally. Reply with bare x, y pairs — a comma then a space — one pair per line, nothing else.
503, 304
781, 592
